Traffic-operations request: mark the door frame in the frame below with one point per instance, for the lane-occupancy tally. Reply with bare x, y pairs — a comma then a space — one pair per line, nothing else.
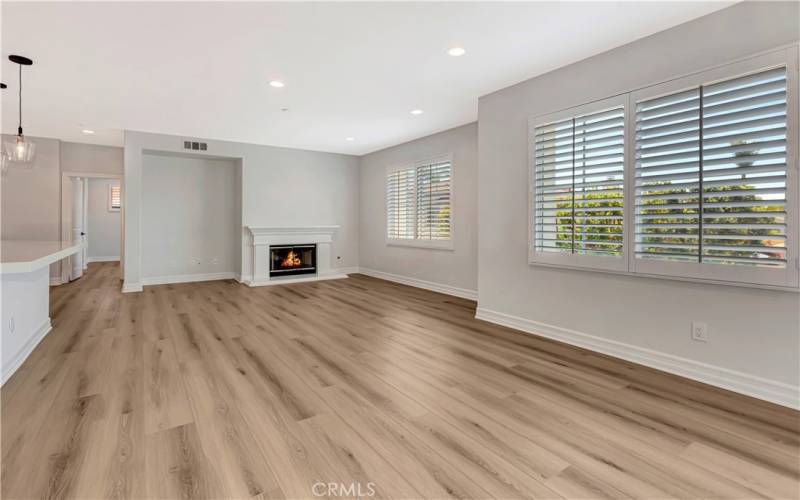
66, 212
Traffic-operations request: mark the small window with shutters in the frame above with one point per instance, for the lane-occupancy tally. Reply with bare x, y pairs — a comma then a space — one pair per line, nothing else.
114, 198
578, 186
419, 204
715, 179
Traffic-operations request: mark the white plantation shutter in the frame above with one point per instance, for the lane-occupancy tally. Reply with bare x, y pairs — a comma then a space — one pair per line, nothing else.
578, 184
726, 205
744, 171
433, 201
419, 203
114, 197
400, 204
667, 202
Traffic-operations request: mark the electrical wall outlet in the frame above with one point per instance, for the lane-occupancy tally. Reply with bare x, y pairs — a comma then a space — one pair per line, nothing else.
699, 331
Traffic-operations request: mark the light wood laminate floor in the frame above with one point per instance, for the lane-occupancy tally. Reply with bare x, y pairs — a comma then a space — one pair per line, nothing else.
217, 390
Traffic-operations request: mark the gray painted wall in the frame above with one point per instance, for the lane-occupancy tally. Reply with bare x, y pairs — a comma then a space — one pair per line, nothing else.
31, 195
456, 268
751, 331
90, 158
103, 224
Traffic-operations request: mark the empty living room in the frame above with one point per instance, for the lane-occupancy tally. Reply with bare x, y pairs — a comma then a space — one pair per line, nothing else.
400, 250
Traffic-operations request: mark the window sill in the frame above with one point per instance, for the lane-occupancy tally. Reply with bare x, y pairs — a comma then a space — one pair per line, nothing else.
689, 279
424, 244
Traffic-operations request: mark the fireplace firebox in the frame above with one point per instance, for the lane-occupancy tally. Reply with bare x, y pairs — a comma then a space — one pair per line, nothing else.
291, 260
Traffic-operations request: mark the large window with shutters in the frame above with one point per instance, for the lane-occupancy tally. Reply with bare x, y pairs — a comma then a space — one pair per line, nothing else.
419, 204
578, 186
709, 184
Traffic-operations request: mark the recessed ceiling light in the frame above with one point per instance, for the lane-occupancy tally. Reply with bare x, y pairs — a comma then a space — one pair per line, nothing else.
416, 112
87, 131
350, 139
276, 83
457, 51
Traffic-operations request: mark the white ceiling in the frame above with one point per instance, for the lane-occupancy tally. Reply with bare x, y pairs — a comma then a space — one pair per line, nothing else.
350, 69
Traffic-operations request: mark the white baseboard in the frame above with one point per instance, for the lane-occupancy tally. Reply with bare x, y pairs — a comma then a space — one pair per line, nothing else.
346, 270
56, 280
743, 383
427, 285
131, 287
187, 278
12, 366
103, 259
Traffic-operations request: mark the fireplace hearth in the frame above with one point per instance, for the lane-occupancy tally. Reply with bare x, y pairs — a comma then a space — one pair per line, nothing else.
291, 260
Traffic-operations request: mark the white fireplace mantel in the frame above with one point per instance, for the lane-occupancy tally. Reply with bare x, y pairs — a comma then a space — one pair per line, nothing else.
300, 235
262, 237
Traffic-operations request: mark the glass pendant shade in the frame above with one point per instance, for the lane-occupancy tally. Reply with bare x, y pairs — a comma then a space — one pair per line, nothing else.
4, 161
21, 150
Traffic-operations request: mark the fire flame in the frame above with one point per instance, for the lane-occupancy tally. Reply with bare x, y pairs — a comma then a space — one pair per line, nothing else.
292, 260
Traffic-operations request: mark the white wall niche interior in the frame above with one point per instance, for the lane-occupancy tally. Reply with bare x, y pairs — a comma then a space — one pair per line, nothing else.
190, 211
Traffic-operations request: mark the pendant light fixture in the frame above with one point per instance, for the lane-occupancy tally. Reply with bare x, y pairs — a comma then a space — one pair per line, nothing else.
21, 150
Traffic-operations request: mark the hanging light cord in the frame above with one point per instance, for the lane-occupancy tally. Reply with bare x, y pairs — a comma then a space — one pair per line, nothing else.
19, 129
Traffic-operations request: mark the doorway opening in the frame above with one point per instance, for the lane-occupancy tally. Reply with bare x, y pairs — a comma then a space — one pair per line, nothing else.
91, 215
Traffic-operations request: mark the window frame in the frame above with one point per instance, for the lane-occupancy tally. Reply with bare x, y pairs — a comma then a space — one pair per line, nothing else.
578, 261
111, 207
786, 279
416, 242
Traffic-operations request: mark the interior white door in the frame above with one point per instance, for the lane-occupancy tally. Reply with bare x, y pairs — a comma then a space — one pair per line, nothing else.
85, 223
78, 193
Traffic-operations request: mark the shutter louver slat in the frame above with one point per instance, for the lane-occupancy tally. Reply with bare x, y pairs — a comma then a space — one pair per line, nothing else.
578, 169
712, 187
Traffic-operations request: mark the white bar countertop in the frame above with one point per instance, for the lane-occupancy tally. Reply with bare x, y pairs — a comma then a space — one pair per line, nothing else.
24, 256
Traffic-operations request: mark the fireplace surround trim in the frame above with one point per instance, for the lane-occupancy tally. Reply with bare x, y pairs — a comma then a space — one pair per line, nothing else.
261, 237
